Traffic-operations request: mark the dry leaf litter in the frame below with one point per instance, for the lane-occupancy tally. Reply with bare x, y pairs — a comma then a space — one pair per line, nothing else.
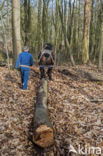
75, 117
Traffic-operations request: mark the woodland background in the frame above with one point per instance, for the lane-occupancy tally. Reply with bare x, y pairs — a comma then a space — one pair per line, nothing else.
74, 27
75, 96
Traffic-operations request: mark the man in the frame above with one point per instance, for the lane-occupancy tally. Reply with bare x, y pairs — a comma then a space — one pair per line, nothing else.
46, 60
24, 61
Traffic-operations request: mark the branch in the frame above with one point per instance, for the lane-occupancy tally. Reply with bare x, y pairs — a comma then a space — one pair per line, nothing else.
2, 5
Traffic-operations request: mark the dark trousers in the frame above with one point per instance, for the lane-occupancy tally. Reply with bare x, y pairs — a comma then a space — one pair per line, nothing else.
49, 73
24, 77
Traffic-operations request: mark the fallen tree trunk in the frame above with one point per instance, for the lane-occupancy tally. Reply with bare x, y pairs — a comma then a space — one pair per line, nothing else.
90, 75
43, 130
93, 76
80, 73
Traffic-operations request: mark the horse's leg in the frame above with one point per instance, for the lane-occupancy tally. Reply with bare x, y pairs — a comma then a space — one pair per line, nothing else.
42, 71
49, 72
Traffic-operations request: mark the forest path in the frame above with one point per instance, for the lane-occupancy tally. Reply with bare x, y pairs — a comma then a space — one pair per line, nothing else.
76, 120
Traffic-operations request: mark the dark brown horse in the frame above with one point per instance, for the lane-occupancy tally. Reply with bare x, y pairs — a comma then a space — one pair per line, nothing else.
46, 60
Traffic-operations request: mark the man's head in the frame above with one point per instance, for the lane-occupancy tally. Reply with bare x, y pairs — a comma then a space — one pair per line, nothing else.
26, 48
48, 46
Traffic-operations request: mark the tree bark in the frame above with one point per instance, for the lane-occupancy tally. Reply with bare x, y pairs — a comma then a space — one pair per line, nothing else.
101, 40
5, 41
45, 20
87, 17
101, 48
27, 21
92, 31
16, 29
39, 26
43, 130
56, 29
68, 46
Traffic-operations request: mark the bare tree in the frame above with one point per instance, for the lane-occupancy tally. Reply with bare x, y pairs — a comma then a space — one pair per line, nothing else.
5, 37
39, 35
87, 17
101, 39
16, 37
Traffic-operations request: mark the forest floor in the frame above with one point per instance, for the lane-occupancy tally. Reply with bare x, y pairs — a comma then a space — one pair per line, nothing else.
75, 107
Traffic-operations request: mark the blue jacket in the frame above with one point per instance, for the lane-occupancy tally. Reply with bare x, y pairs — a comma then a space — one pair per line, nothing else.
24, 58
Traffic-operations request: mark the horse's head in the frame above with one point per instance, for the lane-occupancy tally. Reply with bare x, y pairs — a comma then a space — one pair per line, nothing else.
48, 46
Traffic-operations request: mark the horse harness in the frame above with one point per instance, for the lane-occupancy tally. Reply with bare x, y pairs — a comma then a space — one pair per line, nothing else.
48, 52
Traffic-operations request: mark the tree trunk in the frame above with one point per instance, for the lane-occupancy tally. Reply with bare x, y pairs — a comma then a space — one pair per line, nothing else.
92, 31
101, 41
39, 26
87, 17
43, 131
16, 29
101, 48
68, 46
56, 29
27, 21
5, 41
45, 20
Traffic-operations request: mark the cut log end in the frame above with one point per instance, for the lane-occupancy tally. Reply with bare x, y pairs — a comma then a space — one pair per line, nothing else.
43, 136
